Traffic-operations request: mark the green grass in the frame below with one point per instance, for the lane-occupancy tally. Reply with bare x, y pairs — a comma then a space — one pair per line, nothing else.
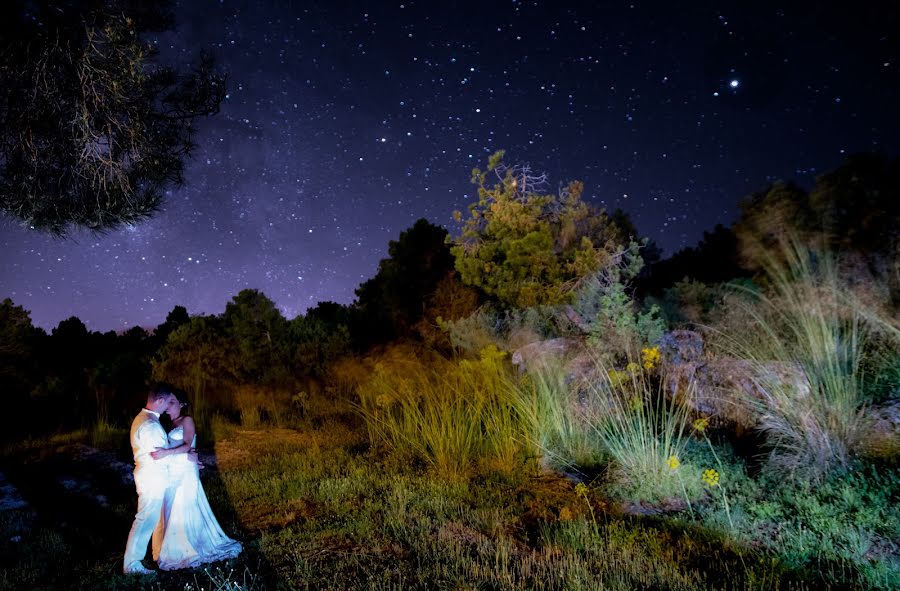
453, 415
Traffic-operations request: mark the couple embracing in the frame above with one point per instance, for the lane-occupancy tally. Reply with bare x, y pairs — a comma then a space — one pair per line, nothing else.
172, 507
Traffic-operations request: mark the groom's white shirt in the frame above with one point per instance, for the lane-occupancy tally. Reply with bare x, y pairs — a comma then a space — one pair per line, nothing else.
147, 434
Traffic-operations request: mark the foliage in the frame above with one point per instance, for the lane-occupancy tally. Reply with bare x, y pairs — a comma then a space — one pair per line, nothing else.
317, 343
853, 211
526, 248
259, 335
177, 317
556, 423
18, 365
198, 357
715, 259
389, 305
451, 301
604, 309
92, 129
643, 431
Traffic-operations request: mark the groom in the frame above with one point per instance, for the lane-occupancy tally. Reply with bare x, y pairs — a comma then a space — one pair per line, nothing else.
151, 477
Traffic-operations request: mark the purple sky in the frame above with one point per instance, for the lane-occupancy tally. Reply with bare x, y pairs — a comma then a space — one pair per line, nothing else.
347, 121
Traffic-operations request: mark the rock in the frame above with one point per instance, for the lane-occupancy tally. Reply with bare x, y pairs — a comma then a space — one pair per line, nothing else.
726, 389
682, 346
532, 355
883, 433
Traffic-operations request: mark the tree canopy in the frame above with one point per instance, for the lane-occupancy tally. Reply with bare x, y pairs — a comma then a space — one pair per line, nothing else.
526, 247
92, 128
391, 303
853, 210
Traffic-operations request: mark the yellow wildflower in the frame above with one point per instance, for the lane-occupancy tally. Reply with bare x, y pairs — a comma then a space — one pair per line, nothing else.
701, 424
673, 463
632, 368
710, 477
581, 489
616, 378
650, 357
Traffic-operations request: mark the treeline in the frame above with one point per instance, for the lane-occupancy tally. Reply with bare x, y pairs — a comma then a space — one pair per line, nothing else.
526, 262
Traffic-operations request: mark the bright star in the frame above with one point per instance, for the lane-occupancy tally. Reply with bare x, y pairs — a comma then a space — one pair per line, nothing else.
734, 83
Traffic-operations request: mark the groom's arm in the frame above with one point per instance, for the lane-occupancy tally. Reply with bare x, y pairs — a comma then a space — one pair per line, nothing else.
150, 436
184, 447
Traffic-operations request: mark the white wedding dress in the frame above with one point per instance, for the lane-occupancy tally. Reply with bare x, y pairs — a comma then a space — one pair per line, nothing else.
191, 535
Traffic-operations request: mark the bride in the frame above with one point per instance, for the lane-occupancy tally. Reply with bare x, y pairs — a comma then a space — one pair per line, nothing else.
189, 534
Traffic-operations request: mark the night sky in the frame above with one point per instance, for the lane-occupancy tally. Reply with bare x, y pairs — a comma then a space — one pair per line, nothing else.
347, 121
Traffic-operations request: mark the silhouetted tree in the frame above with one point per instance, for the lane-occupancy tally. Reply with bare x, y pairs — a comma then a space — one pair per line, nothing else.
177, 317
715, 259
19, 371
260, 336
390, 304
92, 130
200, 358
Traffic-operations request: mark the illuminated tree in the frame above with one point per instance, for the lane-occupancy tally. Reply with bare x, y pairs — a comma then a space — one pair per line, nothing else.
526, 247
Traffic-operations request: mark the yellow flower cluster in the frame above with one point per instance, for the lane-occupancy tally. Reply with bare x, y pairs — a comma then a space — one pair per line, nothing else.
651, 357
633, 368
710, 477
673, 463
701, 424
581, 490
617, 378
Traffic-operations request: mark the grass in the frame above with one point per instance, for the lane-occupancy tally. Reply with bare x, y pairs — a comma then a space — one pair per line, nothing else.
816, 331
621, 419
318, 508
453, 415
430, 483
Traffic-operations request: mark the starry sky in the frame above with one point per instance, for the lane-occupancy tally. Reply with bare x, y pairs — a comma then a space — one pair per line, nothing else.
347, 121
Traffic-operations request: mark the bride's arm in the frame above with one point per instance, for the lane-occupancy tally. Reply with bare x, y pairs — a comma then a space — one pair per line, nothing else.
185, 447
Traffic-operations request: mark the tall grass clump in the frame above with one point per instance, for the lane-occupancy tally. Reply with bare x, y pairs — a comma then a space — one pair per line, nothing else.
808, 367
453, 415
644, 431
555, 420
619, 417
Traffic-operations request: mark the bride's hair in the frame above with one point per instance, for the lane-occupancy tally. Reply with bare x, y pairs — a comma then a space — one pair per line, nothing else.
181, 396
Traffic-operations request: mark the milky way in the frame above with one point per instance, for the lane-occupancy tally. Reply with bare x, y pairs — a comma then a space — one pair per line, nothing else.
345, 122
